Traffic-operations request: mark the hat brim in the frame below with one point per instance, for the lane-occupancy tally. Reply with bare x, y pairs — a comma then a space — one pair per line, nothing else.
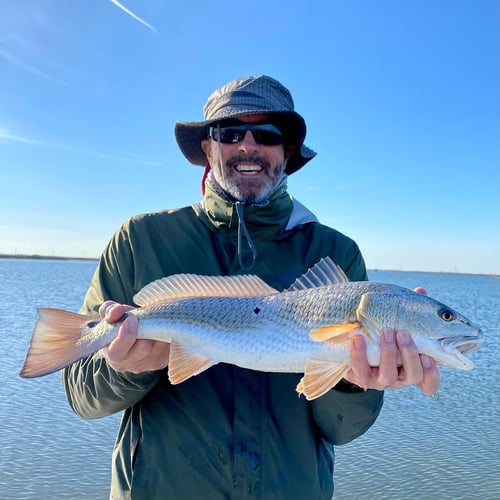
190, 134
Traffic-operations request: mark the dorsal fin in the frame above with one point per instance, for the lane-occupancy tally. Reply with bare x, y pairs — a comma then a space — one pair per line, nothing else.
323, 273
194, 285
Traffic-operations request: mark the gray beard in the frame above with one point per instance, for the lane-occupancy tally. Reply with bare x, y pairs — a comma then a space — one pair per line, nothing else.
232, 193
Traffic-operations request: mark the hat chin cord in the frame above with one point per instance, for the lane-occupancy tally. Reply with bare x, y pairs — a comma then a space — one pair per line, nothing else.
243, 233
242, 227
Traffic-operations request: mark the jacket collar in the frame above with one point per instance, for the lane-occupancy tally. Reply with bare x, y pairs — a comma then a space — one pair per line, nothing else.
220, 211
273, 215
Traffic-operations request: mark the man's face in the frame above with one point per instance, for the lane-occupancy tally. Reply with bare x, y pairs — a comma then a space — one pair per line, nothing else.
247, 170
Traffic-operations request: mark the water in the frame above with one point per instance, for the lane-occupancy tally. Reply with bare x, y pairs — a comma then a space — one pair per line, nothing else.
46, 452
446, 447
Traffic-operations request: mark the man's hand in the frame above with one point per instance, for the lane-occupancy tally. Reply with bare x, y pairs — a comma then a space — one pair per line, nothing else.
416, 369
127, 353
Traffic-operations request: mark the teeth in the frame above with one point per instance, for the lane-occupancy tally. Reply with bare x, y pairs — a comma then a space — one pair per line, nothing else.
248, 168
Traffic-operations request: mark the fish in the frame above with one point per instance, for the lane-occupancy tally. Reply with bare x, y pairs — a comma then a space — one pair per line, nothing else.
243, 321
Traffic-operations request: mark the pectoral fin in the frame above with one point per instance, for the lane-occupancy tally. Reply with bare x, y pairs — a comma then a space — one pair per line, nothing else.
320, 376
184, 363
334, 333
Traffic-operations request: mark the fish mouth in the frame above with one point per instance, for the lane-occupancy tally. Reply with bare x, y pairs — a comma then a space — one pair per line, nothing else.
469, 345
458, 347
464, 345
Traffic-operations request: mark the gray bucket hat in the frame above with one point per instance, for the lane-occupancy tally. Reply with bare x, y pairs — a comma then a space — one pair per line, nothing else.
251, 95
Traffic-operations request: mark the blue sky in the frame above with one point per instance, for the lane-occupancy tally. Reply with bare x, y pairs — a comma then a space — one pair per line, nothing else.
400, 98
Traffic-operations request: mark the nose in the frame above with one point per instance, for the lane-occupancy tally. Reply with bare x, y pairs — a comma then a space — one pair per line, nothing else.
248, 143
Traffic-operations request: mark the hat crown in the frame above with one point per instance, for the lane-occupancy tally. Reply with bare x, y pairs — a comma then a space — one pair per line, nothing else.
257, 94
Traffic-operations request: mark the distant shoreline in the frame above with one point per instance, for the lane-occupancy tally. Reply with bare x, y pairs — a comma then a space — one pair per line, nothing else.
42, 257
487, 275
57, 257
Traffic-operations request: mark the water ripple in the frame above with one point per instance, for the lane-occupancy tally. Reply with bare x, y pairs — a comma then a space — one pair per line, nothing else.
445, 447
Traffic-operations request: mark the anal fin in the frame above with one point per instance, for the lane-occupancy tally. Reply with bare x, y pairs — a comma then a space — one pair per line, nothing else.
320, 376
184, 363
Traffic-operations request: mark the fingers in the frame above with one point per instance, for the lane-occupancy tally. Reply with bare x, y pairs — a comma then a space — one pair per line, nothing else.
360, 372
158, 355
126, 353
430, 382
104, 307
400, 364
411, 371
381, 377
388, 368
112, 311
125, 341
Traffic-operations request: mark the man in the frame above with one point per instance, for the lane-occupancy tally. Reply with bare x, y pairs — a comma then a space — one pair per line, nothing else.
230, 432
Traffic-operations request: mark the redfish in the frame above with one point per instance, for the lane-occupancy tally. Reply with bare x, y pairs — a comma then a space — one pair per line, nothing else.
243, 321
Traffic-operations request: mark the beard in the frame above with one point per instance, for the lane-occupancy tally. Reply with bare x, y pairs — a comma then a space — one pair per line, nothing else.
252, 188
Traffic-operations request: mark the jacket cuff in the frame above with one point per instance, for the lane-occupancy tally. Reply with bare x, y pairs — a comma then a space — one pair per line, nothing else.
346, 386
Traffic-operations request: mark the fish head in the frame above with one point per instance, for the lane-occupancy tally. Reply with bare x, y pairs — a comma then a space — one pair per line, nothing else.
439, 331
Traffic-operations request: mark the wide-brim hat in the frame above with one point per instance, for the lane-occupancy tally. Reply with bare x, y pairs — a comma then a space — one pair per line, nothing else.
250, 95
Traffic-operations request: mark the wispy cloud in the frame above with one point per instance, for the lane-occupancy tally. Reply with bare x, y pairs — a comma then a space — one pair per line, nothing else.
28, 67
5, 135
135, 16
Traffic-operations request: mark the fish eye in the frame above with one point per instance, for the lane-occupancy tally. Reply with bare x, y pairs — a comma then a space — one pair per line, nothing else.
446, 315
91, 324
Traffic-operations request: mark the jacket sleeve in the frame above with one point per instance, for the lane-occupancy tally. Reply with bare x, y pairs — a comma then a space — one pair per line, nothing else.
95, 390
343, 416
92, 387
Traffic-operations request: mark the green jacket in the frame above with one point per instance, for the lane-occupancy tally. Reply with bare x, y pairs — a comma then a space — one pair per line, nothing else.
228, 433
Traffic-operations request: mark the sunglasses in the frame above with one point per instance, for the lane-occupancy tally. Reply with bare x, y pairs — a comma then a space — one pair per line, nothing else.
264, 133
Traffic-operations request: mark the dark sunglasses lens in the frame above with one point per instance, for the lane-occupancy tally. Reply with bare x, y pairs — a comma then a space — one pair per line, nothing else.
268, 135
229, 135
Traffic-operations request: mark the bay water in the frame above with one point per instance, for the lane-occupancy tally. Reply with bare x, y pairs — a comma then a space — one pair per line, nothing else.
442, 447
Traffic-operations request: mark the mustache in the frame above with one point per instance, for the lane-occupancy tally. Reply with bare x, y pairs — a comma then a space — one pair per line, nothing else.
254, 159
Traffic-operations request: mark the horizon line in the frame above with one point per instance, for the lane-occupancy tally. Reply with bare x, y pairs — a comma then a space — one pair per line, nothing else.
61, 257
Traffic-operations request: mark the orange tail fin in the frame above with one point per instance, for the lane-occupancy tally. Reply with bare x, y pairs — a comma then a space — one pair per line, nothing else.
56, 342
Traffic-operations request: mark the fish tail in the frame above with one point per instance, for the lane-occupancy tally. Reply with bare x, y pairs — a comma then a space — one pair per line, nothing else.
55, 342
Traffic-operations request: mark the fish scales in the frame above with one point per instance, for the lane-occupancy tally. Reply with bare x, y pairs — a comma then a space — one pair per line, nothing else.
245, 330
253, 331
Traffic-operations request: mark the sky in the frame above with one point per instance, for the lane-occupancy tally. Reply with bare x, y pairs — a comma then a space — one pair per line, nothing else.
400, 98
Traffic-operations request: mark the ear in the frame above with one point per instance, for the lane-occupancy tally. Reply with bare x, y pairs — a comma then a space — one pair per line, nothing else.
206, 146
289, 151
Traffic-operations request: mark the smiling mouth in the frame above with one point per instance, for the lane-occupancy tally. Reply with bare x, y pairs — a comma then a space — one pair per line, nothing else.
248, 169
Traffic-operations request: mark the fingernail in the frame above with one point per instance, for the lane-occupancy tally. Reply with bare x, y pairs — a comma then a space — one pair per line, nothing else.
107, 311
403, 338
426, 361
358, 342
388, 335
